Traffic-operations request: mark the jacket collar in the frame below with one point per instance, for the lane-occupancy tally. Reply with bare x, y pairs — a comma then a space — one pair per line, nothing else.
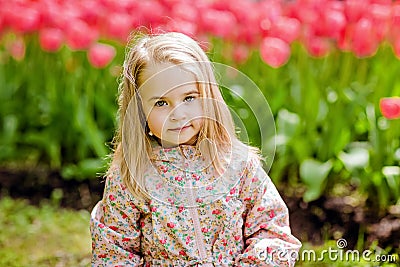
178, 153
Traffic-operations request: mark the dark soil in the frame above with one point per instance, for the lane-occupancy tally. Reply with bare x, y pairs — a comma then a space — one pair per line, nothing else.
38, 185
313, 222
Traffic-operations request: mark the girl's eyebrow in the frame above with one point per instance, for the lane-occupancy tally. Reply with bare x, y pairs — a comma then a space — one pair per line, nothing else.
185, 94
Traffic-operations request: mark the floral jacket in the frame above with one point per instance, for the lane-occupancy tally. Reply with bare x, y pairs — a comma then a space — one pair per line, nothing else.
194, 217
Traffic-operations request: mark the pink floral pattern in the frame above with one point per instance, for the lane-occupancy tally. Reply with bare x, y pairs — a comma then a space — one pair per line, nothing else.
193, 219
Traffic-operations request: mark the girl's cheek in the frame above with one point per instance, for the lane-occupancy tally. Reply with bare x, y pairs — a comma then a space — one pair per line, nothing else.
199, 122
197, 111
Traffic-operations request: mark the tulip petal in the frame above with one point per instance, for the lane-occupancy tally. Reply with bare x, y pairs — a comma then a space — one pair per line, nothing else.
390, 107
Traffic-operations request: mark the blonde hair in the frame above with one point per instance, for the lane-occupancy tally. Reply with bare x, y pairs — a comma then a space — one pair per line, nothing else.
132, 153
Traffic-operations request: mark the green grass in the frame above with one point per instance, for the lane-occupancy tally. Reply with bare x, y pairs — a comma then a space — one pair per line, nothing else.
43, 236
51, 236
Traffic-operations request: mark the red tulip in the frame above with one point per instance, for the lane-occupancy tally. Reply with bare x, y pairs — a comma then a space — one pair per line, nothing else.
17, 49
118, 25
381, 17
218, 23
382, 1
185, 11
240, 53
390, 107
274, 51
178, 25
396, 14
91, 11
52, 15
355, 9
25, 19
334, 23
288, 29
100, 55
364, 40
248, 15
318, 46
51, 39
304, 12
80, 35
152, 11
396, 47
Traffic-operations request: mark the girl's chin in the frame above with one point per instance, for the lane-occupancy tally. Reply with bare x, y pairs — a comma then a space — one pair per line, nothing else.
168, 144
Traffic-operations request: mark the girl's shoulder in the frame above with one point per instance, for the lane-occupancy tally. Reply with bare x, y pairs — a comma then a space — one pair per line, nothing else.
116, 187
113, 175
246, 155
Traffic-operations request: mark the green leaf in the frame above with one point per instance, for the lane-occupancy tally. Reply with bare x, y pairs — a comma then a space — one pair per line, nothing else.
392, 175
356, 158
87, 168
314, 173
287, 123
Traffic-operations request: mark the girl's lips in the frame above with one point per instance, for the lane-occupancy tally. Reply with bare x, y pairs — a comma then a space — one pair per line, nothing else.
180, 129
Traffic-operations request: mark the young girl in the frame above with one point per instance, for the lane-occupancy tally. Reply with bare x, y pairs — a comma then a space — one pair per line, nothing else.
182, 190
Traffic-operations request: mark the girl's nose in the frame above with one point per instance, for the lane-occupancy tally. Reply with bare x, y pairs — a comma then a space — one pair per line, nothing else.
178, 113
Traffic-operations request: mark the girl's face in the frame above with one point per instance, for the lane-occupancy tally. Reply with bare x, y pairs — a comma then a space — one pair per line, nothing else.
171, 103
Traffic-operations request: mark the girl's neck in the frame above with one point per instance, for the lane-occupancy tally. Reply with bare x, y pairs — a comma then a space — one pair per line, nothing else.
164, 144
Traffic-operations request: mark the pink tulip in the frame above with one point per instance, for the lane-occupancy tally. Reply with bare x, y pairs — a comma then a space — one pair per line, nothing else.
386, 2
344, 40
396, 46
240, 53
318, 46
274, 51
248, 15
52, 15
184, 11
17, 49
25, 19
179, 25
66, 14
248, 34
100, 55
51, 39
381, 17
269, 9
218, 23
334, 23
396, 14
355, 9
91, 11
118, 26
117, 6
304, 12
364, 40
152, 11
288, 29
390, 107
79, 35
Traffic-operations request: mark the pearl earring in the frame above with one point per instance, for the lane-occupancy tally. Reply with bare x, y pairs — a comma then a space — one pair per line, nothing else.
150, 133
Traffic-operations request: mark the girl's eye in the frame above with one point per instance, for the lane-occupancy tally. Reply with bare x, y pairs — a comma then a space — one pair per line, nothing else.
160, 103
189, 98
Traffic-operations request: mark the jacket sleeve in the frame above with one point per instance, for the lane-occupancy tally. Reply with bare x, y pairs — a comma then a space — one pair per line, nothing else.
115, 227
266, 230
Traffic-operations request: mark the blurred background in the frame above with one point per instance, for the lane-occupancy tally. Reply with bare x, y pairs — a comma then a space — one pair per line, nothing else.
329, 70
